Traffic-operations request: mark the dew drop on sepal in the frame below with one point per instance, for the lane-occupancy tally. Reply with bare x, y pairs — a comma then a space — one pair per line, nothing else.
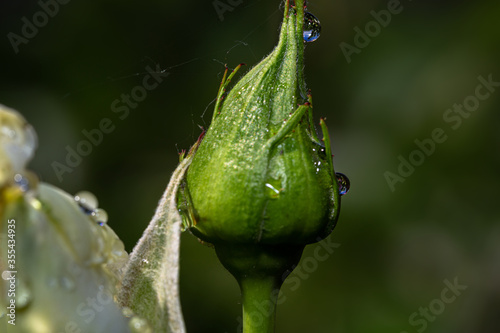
312, 27
344, 183
87, 201
272, 191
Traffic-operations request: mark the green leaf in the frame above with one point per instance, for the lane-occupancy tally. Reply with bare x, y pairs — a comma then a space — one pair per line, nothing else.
151, 282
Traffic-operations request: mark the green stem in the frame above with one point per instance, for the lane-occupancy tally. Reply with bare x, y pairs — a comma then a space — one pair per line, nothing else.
259, 303
260, 270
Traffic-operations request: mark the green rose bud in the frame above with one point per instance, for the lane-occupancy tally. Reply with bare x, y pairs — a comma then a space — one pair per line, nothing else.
261, 184
260, 175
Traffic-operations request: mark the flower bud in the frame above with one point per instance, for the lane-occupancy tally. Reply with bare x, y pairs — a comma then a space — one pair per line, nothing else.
261, 175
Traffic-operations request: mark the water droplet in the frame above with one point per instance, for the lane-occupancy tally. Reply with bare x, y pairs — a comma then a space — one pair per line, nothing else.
87, 201
23, 299
185, 208
127, 312
7, 275
273, 188
23, 295
52, 282
8, 132
343, 182
319, 150
138, 324
26, 181
100, 216
67, 283
312, 27
21, 182
74, 269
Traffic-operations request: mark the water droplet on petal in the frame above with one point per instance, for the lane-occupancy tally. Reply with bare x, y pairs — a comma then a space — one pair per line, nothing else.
100, 216
312, 27
26, 181
127, 312
87, 201
6, 275
344, 183
21, 182
67, 283
52, 282
23, 295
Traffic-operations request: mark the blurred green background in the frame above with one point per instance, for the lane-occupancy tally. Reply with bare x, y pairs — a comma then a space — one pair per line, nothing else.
396, 248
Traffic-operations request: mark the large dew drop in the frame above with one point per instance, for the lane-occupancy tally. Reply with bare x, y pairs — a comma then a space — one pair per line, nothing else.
344, 183
312, 27
87, 201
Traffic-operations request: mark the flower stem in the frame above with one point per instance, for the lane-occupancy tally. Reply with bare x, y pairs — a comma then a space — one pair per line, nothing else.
260, 294
260, 270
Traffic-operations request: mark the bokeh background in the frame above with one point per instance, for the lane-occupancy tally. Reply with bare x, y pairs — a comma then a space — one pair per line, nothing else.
395, 248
